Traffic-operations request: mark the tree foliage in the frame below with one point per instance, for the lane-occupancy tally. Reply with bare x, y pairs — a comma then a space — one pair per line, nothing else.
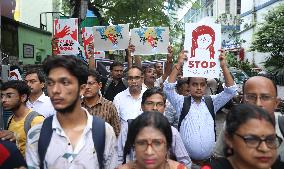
270, 38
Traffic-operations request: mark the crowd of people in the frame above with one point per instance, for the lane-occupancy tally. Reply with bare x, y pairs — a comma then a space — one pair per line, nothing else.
151, 118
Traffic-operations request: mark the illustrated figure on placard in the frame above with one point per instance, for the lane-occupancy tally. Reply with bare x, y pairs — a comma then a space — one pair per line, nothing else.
111, 33
203, 39
151, 36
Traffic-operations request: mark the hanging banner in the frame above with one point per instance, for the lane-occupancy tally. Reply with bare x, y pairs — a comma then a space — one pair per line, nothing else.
88, 39
66, 32
109, 38
150, 40
202, 41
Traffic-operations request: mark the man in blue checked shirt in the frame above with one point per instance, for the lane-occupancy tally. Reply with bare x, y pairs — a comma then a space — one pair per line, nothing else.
197, 128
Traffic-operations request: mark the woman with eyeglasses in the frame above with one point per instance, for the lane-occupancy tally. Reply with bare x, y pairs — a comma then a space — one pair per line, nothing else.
250, 139
150, 136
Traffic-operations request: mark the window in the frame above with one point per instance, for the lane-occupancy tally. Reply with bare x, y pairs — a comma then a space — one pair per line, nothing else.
227, 6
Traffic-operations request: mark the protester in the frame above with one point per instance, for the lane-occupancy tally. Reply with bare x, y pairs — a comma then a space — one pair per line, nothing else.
65, 140
262, 92
38, 101
182, 87
198, 122
14, 95
98, 105
128, 102
154, 100
150, 77
150, 136
251, 140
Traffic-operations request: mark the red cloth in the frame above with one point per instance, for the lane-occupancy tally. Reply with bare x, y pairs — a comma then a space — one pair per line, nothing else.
4, 154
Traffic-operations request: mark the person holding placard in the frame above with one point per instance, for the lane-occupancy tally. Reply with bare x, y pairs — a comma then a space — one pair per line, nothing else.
197, 127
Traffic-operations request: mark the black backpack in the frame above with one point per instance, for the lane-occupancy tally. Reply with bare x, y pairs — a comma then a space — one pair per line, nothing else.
98, 131
186, 107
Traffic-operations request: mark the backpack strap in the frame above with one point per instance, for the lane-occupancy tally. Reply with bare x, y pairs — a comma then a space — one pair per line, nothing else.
29, 119
185, 109
44, 139
281, 124
108, 82
9, 121
210, 106
98, 133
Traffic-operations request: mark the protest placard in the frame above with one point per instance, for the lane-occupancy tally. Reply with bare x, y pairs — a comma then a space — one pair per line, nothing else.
109, 38
150, 40
66, 32
88, 39
202, 42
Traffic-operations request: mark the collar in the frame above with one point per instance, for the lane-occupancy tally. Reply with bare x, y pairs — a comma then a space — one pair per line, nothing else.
202, 99
56, 125
41, 98
141, 93
98, 102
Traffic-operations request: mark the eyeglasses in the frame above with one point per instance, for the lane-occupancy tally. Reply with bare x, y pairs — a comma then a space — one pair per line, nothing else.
252, 141
156, 144
153, 104
92, 83
253, 98
136, 78
8, 95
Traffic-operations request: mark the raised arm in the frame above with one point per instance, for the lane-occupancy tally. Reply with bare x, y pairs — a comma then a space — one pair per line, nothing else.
177, 67
229, 81
169, 63
91, 56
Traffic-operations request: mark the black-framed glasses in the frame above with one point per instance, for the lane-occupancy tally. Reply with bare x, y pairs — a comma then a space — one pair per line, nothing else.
253, 141
91, 83
156, 144
8, 95
153, 104
253, 97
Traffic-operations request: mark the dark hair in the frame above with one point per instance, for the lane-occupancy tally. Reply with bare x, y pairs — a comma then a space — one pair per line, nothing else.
115, 63
39, 74
19, 85
273, 83
155, 64
240, 114
96, 75
152, 91
136, 67
154, 119
181, 82
145, 68
189, 78
74, 66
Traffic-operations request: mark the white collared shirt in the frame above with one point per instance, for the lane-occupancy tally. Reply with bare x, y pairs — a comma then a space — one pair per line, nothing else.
42, 105
61, 154
128, 107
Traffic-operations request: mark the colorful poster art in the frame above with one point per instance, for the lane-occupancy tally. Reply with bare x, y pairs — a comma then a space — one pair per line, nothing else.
150, 40
66, 32
109, 38
202, 43
88, 40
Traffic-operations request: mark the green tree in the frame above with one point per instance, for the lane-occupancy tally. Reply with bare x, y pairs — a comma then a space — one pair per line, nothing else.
270, 38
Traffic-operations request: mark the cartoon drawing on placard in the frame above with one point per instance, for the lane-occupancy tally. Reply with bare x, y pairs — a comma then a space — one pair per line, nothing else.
202, 41
114, 37
203, 38
150, 40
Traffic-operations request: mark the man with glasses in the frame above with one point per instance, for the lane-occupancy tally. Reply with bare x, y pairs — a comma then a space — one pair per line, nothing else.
128, 102
14, 95
98, 105
262, 92
155, 100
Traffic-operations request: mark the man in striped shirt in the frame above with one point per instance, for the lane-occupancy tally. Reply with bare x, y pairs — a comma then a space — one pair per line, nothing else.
98, 105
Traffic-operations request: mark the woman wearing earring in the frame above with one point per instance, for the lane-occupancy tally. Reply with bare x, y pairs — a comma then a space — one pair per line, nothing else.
150, 136
250, 140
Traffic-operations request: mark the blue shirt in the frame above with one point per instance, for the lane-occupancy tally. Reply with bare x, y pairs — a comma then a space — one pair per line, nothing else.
197, 128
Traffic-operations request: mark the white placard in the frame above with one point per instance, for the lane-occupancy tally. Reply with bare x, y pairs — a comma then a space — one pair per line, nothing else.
150, 40
88, 39
66, 30
202, 41
109, 38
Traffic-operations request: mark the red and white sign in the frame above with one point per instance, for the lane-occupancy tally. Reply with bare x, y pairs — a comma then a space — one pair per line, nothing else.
88, 39
66, 31
202, 41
